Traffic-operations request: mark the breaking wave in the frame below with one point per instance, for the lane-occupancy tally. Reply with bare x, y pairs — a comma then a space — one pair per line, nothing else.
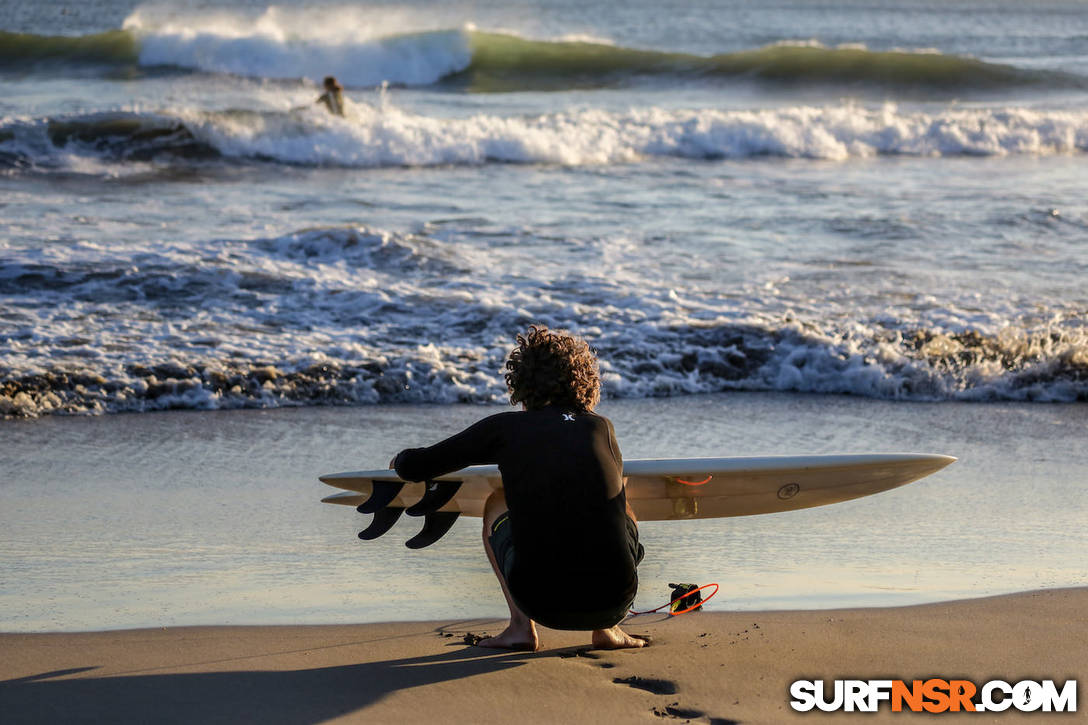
350, 316
489, 62
385, 136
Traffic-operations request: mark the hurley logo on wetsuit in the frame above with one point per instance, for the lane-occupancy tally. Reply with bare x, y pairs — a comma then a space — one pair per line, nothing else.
568, 416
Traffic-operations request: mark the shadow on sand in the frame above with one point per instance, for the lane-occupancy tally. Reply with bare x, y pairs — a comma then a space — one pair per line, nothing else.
296, 696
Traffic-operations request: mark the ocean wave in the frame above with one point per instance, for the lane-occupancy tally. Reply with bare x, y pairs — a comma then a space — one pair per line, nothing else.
671, 361
508, 63
416, 59
65, 143
378, 137
481, 61
353, 316
113, 47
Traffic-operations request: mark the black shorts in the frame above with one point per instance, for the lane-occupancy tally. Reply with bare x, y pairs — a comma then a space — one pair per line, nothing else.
502, 544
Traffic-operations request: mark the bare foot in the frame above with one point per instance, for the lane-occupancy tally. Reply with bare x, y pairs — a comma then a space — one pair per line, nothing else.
616, 638
514, 637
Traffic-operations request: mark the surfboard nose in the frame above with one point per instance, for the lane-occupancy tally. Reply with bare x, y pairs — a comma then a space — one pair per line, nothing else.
939, 461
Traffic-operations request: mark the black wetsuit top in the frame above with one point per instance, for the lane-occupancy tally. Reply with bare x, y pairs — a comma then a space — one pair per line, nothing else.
562, 474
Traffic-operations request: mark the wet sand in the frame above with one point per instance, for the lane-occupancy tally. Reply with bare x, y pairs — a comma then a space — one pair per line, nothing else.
715, 667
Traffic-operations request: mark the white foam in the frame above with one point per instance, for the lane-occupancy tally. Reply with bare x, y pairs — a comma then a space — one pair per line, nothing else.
814, 43
588, 38
284, 44
372, 137
362, 46
362, 315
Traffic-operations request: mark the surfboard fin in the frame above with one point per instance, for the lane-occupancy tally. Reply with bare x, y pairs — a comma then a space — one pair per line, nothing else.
381, 493
435, 526
438, 494
383, 521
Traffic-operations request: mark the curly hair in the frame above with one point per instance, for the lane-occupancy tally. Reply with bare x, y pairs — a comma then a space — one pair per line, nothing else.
553, 368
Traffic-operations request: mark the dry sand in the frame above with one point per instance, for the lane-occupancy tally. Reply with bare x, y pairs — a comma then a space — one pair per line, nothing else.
703, 667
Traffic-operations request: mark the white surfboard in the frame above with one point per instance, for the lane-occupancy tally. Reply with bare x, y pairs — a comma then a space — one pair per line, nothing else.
657, 489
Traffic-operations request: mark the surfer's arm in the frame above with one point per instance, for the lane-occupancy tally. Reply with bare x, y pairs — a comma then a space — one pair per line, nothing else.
627, 504
476, 444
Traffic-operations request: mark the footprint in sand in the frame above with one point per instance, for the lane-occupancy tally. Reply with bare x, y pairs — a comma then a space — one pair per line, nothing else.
650, 684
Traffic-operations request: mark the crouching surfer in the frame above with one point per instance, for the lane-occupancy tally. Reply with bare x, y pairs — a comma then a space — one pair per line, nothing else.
560, 536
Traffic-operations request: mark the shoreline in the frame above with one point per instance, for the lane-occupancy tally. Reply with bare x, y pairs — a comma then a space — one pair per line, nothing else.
716, 667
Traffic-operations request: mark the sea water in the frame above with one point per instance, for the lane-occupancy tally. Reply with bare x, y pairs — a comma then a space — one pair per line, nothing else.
884, 200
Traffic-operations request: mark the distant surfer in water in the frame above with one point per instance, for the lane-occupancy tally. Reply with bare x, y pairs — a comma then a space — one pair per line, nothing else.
333, 97
560, 536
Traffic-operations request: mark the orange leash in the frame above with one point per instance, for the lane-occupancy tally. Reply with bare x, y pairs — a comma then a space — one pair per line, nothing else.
684, 596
